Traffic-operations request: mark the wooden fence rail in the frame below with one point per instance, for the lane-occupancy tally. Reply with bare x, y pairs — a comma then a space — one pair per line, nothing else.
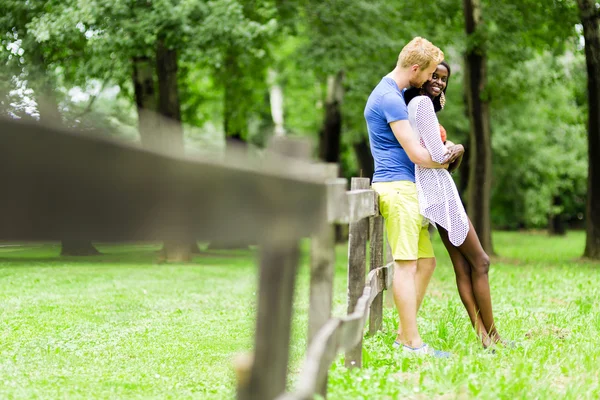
327, 337
60, 184
337, 335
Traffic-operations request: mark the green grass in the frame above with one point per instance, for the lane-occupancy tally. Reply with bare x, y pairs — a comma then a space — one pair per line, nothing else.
120, 326
544, 298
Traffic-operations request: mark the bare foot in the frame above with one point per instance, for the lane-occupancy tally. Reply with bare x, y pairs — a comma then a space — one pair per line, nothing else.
486, 341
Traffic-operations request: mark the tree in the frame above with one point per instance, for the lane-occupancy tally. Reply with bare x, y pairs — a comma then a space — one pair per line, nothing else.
513, 31
169, 107
237, 38
144, 42
539, 144
37, 63
331, 130
480, 160
348, 46
590, 14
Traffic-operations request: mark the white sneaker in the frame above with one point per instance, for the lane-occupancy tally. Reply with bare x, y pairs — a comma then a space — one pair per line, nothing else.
424, 349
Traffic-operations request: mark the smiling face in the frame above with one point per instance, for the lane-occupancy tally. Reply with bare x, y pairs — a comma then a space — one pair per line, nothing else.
436, 85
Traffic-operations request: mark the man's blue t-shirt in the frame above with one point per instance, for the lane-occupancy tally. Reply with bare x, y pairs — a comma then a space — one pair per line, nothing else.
386, 104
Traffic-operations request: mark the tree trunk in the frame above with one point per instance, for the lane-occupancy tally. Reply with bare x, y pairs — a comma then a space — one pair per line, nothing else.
234, 135
43, 87
168, 96
331, 131
154, 136
590, 15
556, 222
234, 121
480, 161
365, 158
78, 248
145, 99
171, 131
49, 111
463, 169
276, 102
330, 134
463, 173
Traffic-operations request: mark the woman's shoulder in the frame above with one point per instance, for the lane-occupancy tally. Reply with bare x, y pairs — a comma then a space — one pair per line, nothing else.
421, 98
420, 102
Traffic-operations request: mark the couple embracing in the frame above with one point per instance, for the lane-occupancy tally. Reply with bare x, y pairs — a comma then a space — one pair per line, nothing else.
413, 161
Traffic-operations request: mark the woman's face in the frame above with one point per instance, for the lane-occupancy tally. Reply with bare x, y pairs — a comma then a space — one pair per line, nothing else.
438, 82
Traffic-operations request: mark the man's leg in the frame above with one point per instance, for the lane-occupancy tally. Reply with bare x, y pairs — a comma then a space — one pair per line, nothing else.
425, 268
405, 297
424, 272
425, 264
398, 203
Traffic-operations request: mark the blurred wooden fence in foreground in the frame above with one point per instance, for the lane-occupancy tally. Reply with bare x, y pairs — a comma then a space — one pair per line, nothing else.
60, 184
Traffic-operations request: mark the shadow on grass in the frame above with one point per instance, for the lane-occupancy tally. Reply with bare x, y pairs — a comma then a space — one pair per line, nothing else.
129, 254
546, 263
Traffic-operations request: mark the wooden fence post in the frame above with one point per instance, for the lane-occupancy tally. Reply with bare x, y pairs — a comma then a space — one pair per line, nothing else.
357, 254
376, 249
322, 264
389, 278
278, 270
322, 258
278, 267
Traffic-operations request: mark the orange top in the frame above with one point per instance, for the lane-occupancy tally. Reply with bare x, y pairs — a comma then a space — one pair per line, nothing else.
443, 133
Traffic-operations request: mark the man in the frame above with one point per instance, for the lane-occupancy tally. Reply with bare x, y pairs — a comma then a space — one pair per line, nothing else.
396, 150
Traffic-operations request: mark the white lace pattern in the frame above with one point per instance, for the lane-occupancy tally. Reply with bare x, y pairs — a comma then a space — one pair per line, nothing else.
439, 201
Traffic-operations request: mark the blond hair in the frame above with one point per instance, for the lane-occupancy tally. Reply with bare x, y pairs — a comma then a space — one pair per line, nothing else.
421, 52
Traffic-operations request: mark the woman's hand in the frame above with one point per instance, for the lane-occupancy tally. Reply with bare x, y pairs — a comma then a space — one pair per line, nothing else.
457, 151
454, 152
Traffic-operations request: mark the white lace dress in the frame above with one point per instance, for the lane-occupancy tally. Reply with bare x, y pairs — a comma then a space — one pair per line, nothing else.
439, 201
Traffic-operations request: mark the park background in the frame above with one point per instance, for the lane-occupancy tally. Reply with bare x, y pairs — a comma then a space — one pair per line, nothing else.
522, 98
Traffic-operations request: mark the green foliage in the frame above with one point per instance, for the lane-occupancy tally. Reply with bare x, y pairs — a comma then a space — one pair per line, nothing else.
539, 144
226, 47
518, 29
361, 38
303, 91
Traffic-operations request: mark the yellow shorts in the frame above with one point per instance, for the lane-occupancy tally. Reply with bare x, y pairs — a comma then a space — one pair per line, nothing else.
406, 228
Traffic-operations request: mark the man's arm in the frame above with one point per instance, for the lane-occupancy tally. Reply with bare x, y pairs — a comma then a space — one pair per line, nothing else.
409, 142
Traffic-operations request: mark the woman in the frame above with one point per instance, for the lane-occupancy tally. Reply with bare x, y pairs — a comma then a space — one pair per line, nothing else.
440, 203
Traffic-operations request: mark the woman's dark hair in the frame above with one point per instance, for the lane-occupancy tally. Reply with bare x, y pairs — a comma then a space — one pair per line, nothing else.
413, 92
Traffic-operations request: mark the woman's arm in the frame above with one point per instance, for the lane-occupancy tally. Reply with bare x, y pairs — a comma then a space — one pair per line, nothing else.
429, 130
409, 142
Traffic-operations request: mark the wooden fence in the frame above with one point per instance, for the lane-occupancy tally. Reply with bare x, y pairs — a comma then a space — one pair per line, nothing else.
327, 336
60, 184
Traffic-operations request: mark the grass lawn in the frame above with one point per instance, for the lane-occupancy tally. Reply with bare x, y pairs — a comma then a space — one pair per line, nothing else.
120, 326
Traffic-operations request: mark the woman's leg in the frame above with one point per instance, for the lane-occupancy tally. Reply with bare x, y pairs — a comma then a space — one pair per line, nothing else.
479, 262
462, 270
